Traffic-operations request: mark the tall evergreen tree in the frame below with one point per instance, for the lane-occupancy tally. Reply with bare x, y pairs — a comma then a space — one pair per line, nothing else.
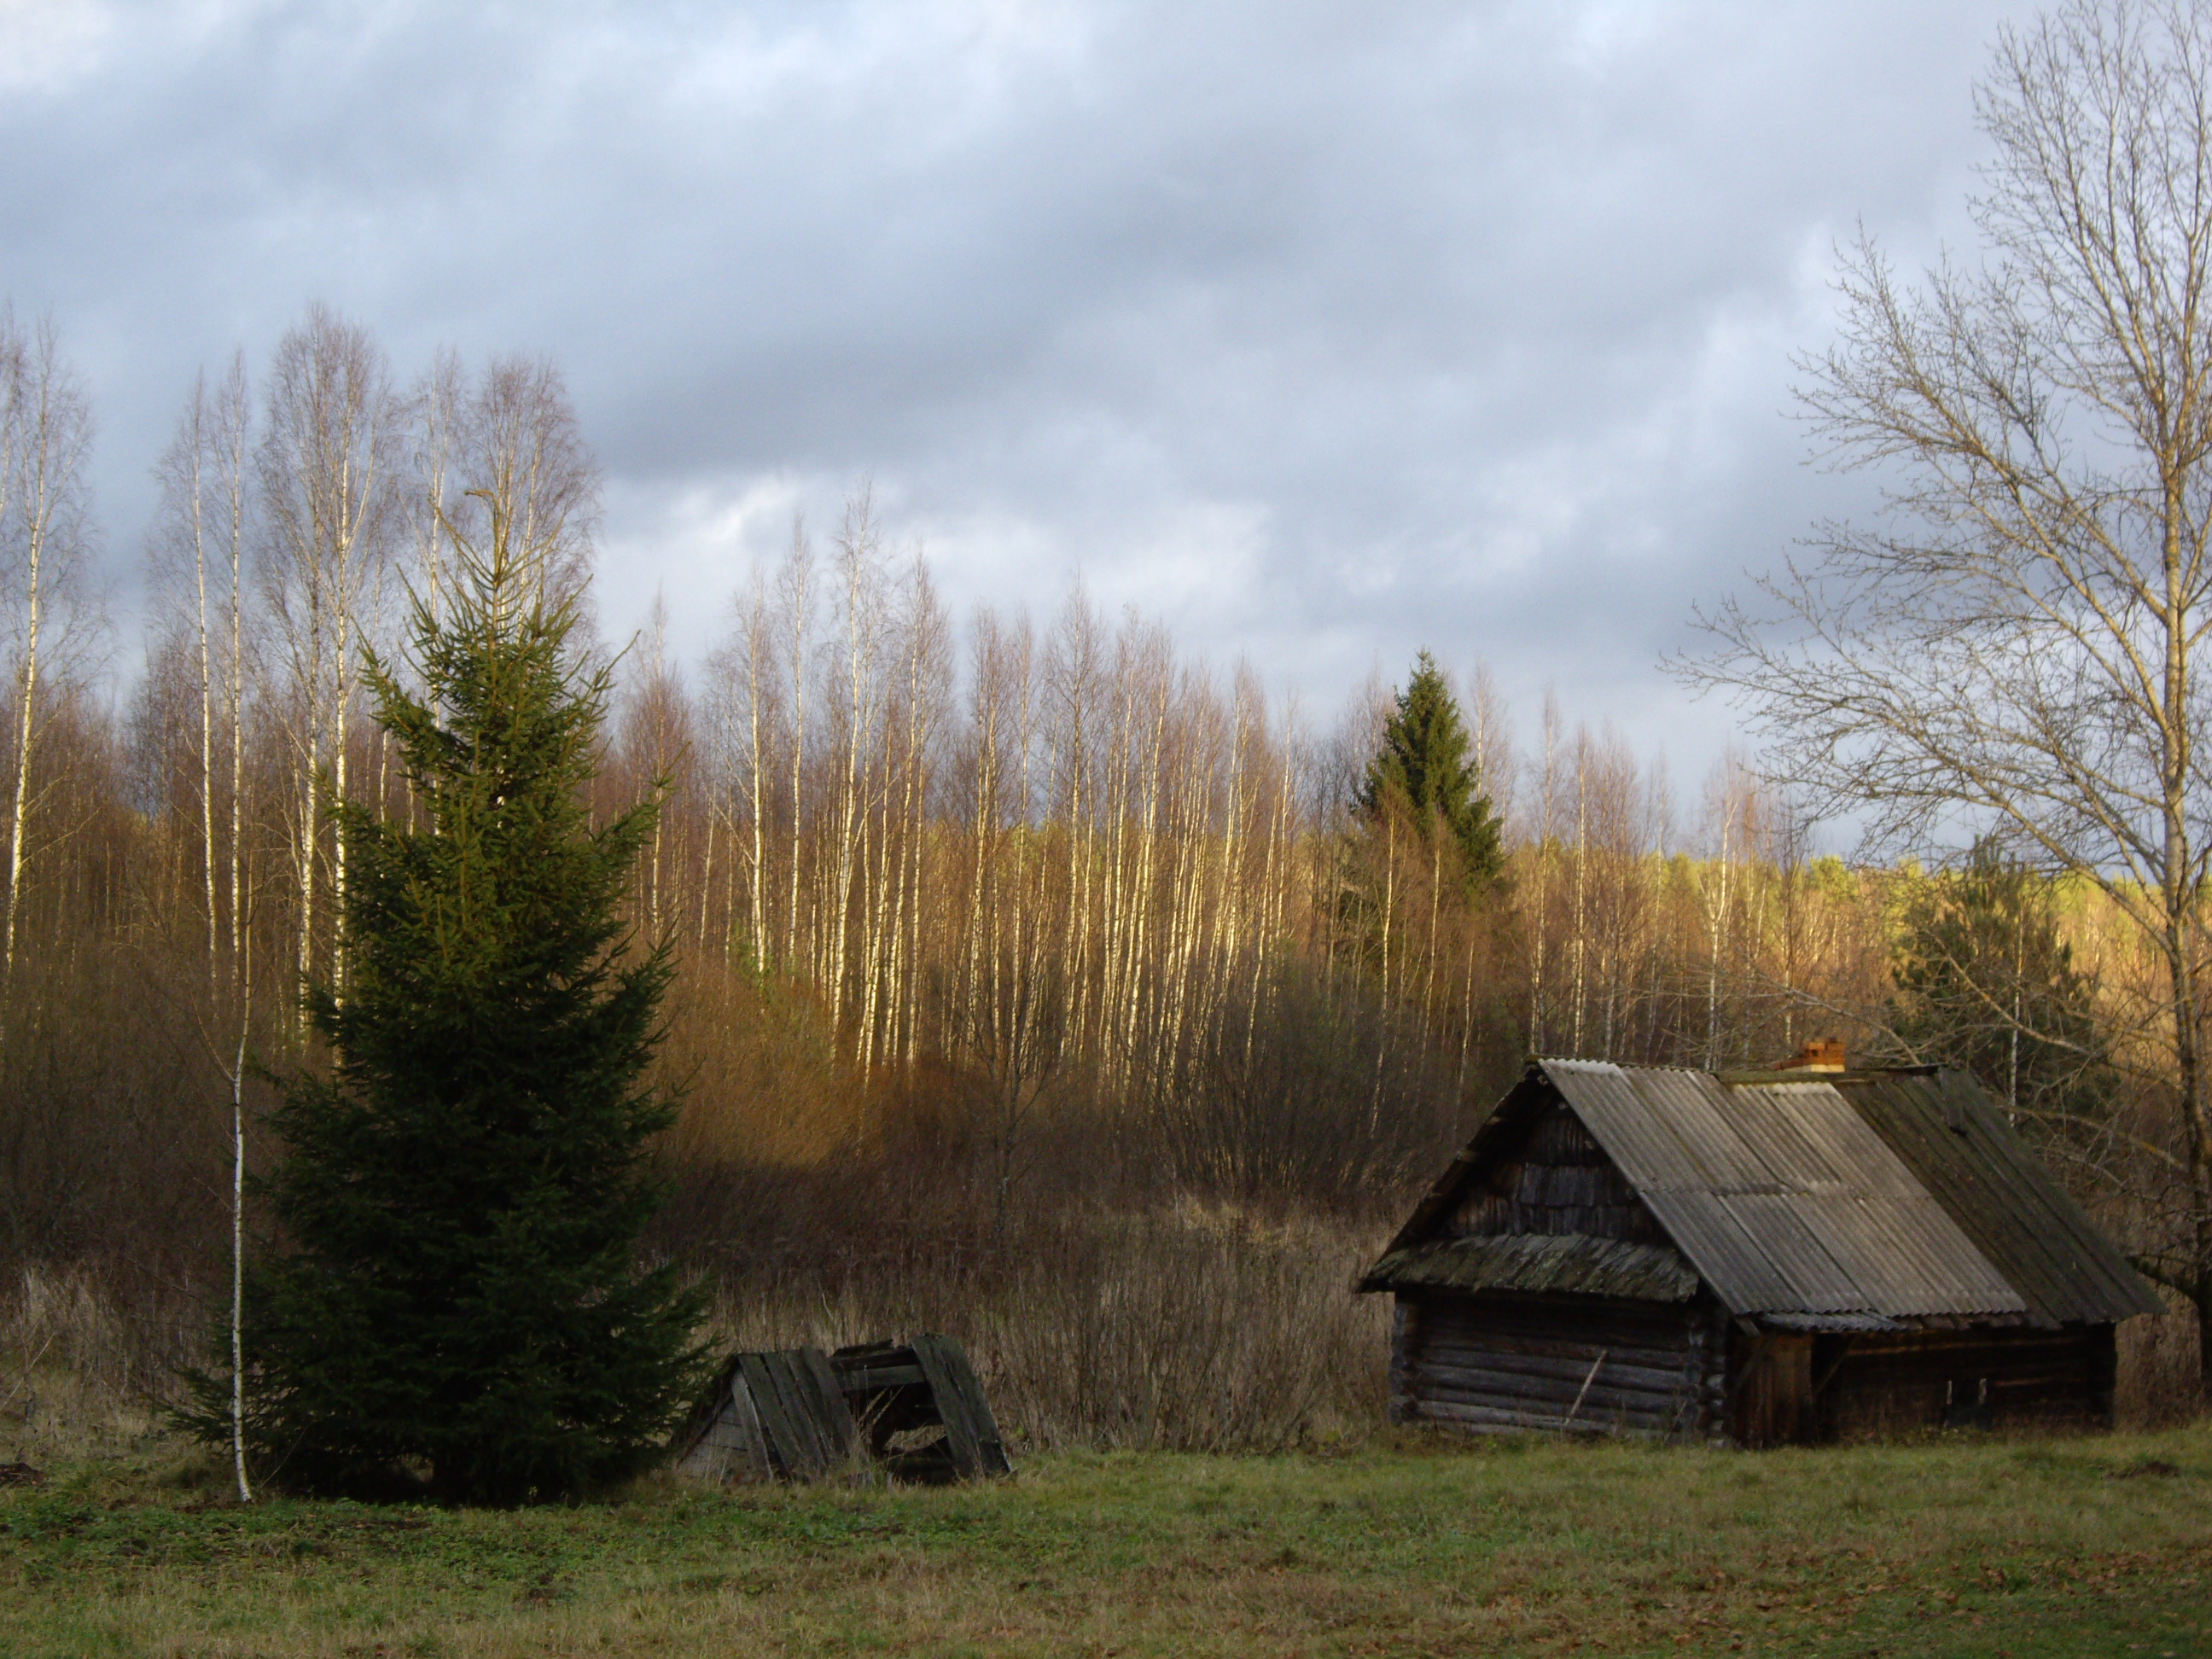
1986, 983
461, 1195
1425, 768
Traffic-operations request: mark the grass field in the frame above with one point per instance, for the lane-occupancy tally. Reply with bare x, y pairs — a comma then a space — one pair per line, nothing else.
1407, 1545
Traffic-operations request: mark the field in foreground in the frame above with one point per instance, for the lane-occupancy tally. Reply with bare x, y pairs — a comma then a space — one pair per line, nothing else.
2021, 1548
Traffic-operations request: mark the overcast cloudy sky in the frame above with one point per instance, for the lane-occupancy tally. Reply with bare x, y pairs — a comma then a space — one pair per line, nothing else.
1323, 332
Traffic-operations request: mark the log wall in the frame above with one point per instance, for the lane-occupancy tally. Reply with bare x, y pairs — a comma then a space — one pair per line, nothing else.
1993, 1378
1579, 1364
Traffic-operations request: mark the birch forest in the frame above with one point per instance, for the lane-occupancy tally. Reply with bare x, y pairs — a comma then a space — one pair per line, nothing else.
996, 932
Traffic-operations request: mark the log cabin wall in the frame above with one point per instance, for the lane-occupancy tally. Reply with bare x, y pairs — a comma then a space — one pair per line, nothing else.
2002, 1377
1585, 1364
1554, 1178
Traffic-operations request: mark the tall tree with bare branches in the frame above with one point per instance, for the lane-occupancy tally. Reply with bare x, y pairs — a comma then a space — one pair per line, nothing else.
329, 458
2012, 649
45, 431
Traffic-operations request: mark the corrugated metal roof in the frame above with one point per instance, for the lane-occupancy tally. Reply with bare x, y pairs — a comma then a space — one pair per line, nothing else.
2000, 1194
1784, 1197
1740, 1272
1552, 1263
1850, 1202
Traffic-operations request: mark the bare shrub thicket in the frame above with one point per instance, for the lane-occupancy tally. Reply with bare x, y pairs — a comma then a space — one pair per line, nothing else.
1176, 1329
1036, 984
86, 1356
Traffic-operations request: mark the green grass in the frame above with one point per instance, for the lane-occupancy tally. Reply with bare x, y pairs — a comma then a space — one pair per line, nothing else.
2019, 1548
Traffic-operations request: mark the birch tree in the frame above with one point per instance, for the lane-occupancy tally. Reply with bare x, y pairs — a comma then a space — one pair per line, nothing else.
2010, 649
197, 555
327, 464
512, 448
45, 431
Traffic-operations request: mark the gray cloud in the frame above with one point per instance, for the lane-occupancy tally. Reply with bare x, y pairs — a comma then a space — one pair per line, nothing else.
1325, 331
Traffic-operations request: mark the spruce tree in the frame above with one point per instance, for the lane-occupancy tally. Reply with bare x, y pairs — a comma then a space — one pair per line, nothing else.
1984, 982
461, 1194
1425, 768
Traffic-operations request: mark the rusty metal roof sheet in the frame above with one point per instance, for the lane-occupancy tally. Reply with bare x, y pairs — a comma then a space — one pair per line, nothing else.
1783, 1196
1550, 1263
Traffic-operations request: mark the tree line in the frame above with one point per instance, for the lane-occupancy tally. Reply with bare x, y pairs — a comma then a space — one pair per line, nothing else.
1047, 863
973, 919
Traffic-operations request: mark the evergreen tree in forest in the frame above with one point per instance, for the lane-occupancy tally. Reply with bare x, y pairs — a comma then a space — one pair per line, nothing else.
1424, 768
1985, 982
460, 1197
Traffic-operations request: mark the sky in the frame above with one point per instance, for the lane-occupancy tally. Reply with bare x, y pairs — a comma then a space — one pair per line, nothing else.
1323, 333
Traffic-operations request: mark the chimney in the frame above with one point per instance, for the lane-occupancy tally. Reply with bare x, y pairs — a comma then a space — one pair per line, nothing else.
1823, 1054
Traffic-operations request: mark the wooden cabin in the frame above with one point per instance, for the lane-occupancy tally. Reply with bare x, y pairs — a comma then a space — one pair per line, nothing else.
1757, 1259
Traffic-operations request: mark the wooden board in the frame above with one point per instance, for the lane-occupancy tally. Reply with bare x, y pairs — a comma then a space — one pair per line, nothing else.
1771, 1373
805, 1422
730, 1445
797, 1415
970, 1432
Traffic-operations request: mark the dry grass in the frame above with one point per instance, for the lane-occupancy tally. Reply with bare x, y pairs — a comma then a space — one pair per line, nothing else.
2158, 1380
1185, 1330
79, 1375
1190, 1330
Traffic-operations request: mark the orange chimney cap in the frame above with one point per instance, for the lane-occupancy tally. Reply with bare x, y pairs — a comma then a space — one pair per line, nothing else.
1821, 1054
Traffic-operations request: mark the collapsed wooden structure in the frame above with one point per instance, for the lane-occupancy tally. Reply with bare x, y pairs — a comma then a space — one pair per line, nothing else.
1753, 1259
800, 1414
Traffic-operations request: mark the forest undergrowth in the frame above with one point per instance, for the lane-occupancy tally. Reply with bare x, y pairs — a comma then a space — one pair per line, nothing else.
1186, 1330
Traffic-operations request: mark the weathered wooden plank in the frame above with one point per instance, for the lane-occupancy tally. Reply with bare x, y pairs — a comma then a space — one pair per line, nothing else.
1597, 1321
961, 1437
781, 1438
809, 1458
1536, 1369
1600, 1401
1593, 1332
1622, 1314
813, 1419
806, 1455
1558, 1357
1557, 1185
832, 1412
1557, 1136
991, 1457
866, 1378
1456, 1350
1600, 1376
1405, 1328
1553, 1422
730, 1447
